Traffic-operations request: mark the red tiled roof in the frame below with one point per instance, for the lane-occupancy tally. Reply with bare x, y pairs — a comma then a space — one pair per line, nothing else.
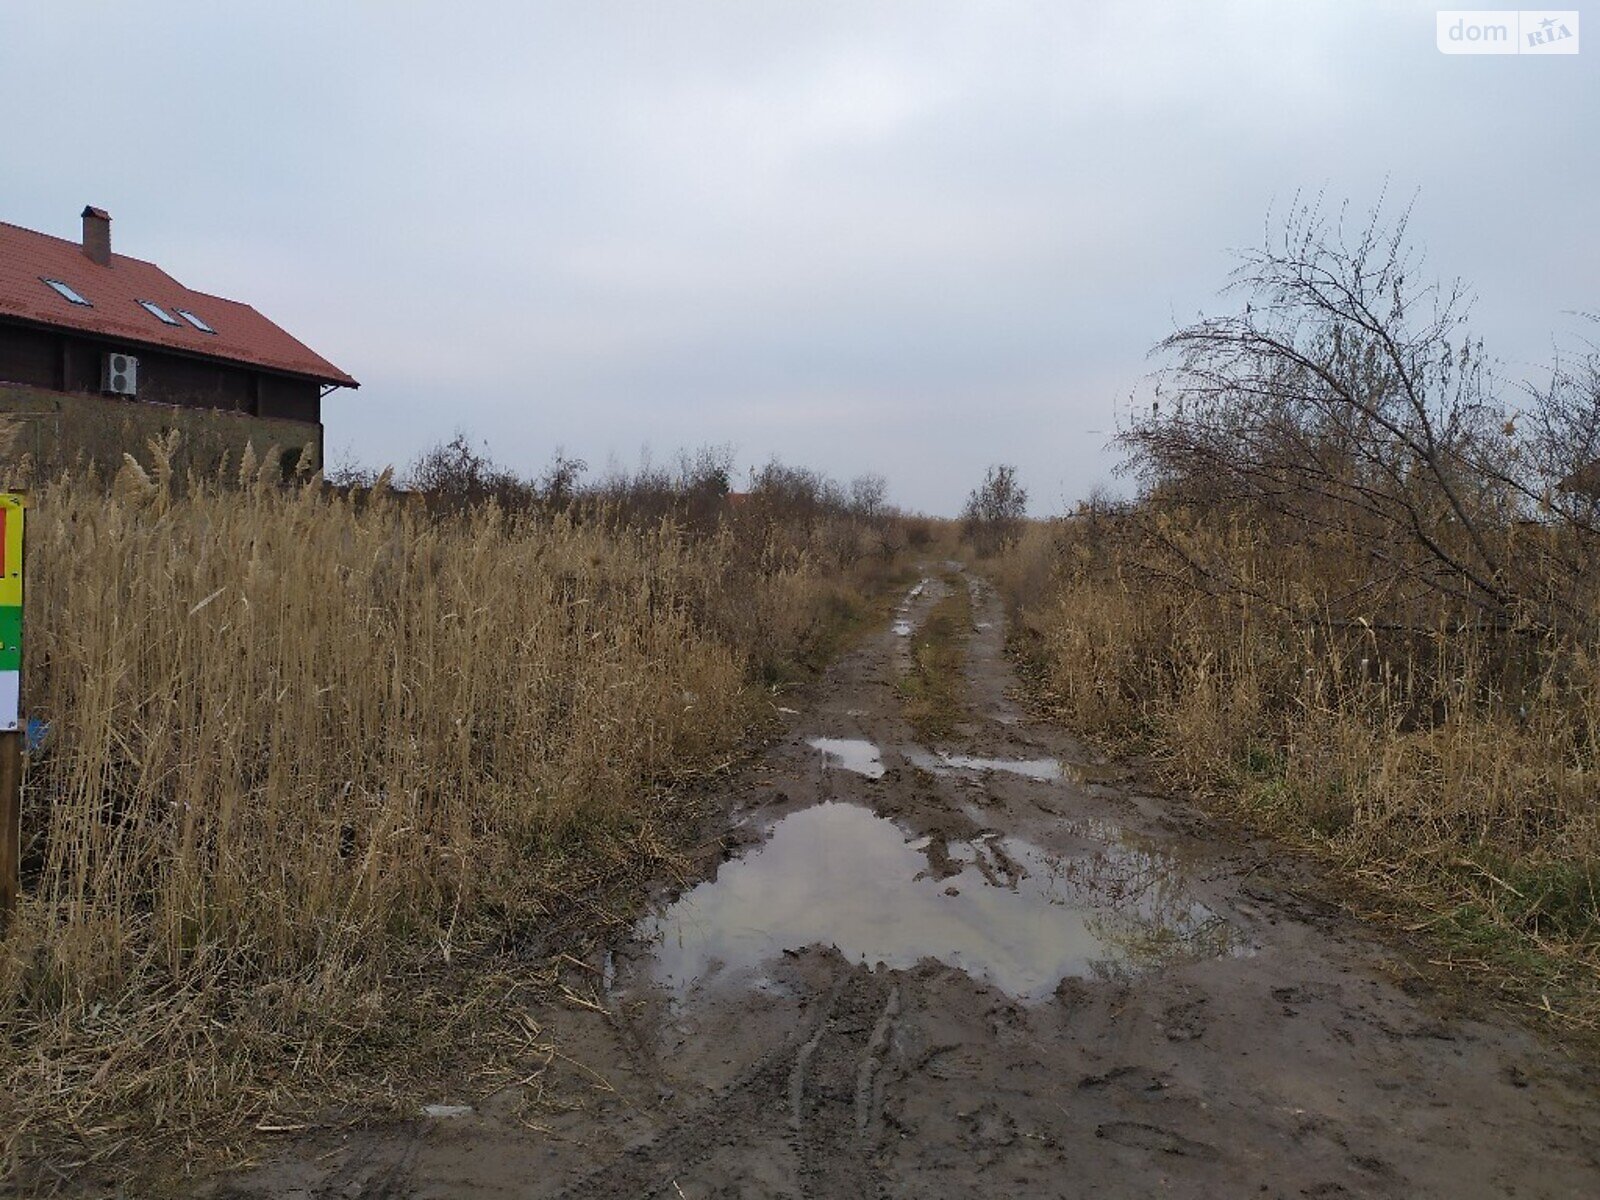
242, 334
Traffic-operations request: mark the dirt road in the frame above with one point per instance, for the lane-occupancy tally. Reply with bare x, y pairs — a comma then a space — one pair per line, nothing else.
988, 968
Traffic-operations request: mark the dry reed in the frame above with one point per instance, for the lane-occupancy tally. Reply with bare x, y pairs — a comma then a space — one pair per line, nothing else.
1452, 767
303, 746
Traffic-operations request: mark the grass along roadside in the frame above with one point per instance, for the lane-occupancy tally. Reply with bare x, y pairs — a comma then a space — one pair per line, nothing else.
1469, 832
323, 769
933, 690
841, 619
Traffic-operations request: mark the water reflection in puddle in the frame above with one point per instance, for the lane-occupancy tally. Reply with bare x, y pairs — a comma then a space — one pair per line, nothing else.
1012, 914
852, 754
1047, 769
902, 626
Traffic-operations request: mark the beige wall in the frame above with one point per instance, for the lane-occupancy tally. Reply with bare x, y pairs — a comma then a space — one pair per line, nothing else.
58, 429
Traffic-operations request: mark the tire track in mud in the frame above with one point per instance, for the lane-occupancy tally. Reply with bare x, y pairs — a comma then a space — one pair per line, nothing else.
371, 1170
830, 1078
650, 1168
837, 1097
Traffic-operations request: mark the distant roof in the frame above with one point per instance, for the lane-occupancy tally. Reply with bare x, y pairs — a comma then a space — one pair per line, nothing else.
113, 293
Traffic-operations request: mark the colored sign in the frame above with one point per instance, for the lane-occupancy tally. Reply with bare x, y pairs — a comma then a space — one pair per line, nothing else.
11, 507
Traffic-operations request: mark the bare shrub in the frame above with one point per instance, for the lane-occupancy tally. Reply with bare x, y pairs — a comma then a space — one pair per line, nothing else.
559, 487
797, 494
1347, 398
993, 515
693, 492
920, 531
1356, 596
458, 475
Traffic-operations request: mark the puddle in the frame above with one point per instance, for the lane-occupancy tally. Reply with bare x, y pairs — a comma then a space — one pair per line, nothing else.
852, 754
1046, 769
902, 626
1033, 768
1012, 914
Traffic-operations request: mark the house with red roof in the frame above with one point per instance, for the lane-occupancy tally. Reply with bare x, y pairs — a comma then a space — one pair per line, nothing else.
77, 318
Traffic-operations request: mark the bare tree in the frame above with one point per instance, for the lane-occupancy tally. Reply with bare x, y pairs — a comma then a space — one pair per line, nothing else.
869, 495
992, 517
1348, 397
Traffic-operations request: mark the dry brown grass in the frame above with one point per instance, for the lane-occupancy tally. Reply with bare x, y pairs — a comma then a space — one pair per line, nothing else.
1453, 769
933, 690
57, 430
305, 749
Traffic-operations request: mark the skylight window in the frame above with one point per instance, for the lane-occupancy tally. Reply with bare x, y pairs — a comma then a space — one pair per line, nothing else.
159, 313
66, 293
195, 321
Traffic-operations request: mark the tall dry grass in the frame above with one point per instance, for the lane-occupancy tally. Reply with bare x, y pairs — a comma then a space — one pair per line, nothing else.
1356, 595
1454, 764
303, 747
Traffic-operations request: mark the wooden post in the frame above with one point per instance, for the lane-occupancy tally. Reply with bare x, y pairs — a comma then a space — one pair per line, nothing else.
10, 825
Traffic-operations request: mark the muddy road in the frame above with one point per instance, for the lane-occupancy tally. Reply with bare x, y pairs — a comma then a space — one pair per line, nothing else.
984, 968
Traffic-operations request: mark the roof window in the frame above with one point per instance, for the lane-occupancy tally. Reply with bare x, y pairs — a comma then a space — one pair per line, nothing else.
195, 321
159, 313
66, 293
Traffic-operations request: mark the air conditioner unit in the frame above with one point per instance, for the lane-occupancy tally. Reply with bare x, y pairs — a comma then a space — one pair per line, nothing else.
121, 375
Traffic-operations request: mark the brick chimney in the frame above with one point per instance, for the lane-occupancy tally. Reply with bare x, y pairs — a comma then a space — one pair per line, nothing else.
97, 235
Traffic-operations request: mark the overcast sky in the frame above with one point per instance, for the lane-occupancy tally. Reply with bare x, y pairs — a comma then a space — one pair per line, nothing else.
907, 237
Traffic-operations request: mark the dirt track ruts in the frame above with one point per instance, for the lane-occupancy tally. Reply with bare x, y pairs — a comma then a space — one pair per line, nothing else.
1308, 1061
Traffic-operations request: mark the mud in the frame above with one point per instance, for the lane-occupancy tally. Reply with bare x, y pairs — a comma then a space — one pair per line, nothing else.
946, 976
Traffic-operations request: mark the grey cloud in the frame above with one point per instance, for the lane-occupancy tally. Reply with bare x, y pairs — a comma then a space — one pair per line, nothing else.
914, 238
